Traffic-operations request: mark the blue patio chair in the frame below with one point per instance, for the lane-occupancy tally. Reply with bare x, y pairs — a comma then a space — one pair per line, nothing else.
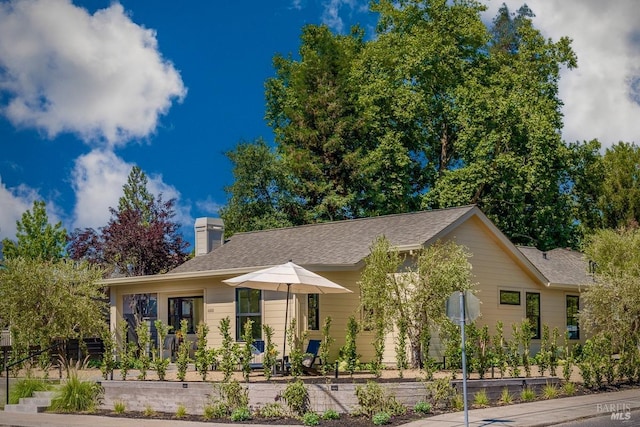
310, 356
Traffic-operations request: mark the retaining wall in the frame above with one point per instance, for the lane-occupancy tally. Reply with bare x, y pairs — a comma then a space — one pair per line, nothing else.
194, 396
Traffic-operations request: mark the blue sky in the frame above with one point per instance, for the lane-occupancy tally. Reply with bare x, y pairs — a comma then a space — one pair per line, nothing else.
90, 88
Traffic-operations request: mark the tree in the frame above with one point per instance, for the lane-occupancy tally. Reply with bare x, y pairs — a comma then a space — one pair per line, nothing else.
619, 199
612, 302
260, 196
436, 111
141, 237
43, 301
587, 173
311, 110
36, 238
510, 159
414, 296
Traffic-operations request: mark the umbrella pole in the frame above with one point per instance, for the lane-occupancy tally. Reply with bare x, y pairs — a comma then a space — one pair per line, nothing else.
286, 313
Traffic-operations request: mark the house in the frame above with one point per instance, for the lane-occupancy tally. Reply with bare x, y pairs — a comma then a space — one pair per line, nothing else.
512, 282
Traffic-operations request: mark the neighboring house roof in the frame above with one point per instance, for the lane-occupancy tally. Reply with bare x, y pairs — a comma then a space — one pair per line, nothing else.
560, 266
336, 244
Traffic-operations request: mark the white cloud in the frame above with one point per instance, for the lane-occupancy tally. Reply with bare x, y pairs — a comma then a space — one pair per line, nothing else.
332, 9
98, 178
598, 96
209, 206
98, 76
16, 201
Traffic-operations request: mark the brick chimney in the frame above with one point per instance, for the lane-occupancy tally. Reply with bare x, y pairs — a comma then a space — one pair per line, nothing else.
209, 234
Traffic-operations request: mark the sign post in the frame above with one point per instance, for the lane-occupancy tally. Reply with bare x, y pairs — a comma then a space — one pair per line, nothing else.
463, 307
464, 361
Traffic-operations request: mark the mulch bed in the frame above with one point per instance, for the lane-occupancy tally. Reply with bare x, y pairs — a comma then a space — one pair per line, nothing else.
345, 420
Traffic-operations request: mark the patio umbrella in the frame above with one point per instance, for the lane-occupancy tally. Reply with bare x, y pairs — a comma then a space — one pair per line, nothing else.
287, 277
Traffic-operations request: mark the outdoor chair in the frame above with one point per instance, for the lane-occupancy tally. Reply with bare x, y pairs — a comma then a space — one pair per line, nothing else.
257, 350
310, 356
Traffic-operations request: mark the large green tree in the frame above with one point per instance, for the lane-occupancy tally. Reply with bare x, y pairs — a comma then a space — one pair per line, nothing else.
412, 295
43, 301
510, 159
260, 196
437, 110
321, 137
36, 238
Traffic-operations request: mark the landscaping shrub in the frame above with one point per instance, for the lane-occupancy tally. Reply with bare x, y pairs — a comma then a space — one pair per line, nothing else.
296, 397
26, 387
550, 391
348, 352
119, 407
148, 411
76, 395
422, 407
527, 394
372, 398
272, 410
325, 346
311, 419
182, 361
270, 353
181, 412
241, 414
229, 351
506, 397
330, 414
160, 364
202, 355
440, 393
144, 340
480, 399
381, 418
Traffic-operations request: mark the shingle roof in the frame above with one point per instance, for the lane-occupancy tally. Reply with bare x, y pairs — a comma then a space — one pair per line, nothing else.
340, 243
559, 266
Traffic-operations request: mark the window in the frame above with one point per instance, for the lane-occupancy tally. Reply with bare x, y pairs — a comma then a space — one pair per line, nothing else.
510, 297
189, 308
573, 305
533, 313
313, 312
248, 307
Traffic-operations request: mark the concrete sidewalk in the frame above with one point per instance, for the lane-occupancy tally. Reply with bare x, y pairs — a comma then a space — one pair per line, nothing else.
545, 412
540, 413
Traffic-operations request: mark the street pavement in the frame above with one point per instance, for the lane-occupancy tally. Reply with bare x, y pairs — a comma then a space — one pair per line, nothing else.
612, 409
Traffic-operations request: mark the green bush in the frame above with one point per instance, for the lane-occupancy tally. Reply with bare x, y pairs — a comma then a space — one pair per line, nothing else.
422, 407
216, 410
330, 414
381, 418
76, 395
311, 419
272, 410
296, 396
241, 414
372, 399
440, 393
181, 412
